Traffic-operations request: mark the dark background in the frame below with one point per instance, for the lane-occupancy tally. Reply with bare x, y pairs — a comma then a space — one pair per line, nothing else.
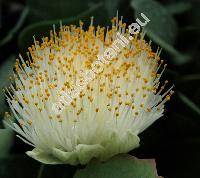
174, 140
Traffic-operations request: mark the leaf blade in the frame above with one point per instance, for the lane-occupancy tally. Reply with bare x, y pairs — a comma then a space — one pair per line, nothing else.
14, 30
118, 167
189, 103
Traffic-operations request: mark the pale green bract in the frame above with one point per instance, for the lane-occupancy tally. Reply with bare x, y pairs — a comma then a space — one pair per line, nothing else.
82, 154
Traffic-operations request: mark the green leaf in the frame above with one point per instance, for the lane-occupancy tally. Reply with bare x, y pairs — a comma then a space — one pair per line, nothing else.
62, 9
48, 9
118, 167
42, 28
112, 7
178, 57
21, 166
18, 166
195, 14
6, 135
190, 77
6, 139
162, 24
189, 103
6, 70
178, 7
14, 30
162, 27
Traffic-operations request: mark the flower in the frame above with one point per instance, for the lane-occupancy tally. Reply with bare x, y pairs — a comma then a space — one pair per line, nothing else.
106, 116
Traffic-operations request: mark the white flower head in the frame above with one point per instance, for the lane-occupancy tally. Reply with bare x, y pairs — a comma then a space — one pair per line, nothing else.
121, 101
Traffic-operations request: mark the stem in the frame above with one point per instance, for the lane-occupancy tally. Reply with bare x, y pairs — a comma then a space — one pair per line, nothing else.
40, 171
